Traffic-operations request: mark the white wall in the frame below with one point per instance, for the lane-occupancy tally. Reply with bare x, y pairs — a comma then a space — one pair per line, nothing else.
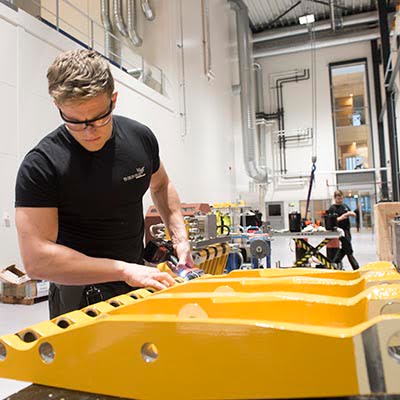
201, 164
298, 114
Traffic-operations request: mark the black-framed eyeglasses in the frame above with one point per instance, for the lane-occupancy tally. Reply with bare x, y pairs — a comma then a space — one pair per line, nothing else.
97, 122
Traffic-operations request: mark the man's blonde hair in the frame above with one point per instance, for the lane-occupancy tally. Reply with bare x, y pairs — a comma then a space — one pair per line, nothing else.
77, 75
338, 193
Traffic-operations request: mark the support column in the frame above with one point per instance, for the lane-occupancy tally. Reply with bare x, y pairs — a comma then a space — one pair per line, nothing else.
390, 104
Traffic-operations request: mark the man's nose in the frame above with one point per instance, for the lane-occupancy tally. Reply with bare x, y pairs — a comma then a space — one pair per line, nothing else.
89, 128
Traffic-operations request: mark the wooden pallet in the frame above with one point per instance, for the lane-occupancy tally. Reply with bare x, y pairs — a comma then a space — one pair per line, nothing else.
22, 300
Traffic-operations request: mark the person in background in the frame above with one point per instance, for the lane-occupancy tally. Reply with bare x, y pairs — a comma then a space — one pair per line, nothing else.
344, 213
79, 192
357, 212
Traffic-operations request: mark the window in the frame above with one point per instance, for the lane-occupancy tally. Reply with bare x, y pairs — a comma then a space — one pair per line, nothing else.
351, 115
274, 210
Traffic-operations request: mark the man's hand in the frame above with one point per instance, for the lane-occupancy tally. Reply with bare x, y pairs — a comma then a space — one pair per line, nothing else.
184, 254
142, 276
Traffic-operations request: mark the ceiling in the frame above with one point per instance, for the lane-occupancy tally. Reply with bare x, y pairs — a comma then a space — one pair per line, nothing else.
270, 14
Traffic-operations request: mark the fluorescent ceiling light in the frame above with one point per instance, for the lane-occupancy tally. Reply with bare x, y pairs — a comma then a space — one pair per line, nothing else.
307, 19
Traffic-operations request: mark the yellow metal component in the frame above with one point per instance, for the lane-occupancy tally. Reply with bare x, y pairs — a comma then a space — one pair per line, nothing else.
212, 259
302, 284
308, 333
379, 268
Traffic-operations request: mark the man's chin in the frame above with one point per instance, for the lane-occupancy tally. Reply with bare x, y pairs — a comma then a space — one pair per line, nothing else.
94, 145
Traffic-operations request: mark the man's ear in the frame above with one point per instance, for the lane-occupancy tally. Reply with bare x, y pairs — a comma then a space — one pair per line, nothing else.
114, 99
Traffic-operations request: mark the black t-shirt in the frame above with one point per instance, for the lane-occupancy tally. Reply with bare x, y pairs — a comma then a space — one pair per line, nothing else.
98, 194
340, 209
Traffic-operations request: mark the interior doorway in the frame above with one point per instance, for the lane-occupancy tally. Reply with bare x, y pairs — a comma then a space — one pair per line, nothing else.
362, 202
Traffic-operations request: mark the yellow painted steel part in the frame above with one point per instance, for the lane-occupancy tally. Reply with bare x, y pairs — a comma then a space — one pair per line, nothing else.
297, 333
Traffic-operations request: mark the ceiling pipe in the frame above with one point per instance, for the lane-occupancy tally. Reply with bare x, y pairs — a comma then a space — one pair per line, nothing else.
111, 45
118, 19
131, 16
332, 12
247, 97
273, 34
319, 44
147, 10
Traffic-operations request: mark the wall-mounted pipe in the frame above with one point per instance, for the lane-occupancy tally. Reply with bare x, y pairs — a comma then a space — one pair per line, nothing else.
111, 46
147, 10
272, 34
370, 34
118, 19
262, 137
249, 133
131, 16
205, 11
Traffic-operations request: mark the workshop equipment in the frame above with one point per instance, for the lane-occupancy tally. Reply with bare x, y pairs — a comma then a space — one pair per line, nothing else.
212, 259
153, 217
260, 251
303, 344
330, 221
294, 221
162, 252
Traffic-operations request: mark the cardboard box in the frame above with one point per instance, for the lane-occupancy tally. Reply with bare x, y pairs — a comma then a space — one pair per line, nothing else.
384, 214
16, 283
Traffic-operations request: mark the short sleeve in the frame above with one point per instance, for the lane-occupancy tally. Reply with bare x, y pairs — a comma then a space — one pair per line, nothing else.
36, 184
154, 150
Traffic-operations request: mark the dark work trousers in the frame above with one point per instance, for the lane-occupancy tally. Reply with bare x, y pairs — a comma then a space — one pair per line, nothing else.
63, 298
346, 250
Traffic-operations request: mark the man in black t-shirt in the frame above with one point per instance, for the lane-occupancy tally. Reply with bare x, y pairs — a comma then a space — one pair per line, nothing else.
79, 192
343, 212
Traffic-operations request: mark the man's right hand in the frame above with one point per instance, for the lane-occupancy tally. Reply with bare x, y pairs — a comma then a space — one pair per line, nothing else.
142, 276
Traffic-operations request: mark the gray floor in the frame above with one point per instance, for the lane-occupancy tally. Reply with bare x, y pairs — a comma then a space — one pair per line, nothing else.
15, 317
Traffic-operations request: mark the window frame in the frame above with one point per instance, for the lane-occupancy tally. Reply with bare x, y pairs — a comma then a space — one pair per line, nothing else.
332, 65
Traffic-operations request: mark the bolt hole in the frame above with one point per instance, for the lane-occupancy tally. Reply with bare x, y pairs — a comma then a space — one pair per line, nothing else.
149, 352
391, 307
393, 347
28, 336
63, 323
3, 352
92, 312
46, 352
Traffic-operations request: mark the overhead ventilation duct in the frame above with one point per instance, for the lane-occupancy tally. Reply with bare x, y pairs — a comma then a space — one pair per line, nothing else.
247, 98
147, 10
367, 35
118, 18
131, 15
336, 15
112, 48
273, 34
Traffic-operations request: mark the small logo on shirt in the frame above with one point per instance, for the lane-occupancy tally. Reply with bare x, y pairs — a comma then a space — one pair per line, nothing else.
138, 174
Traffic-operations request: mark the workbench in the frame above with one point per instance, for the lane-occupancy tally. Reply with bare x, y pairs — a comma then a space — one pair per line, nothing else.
38, 392
308, 250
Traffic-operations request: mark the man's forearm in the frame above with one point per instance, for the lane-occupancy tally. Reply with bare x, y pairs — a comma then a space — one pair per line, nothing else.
60, 264
168, 205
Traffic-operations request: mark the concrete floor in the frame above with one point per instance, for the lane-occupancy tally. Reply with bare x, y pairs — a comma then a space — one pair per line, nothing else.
15, 317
